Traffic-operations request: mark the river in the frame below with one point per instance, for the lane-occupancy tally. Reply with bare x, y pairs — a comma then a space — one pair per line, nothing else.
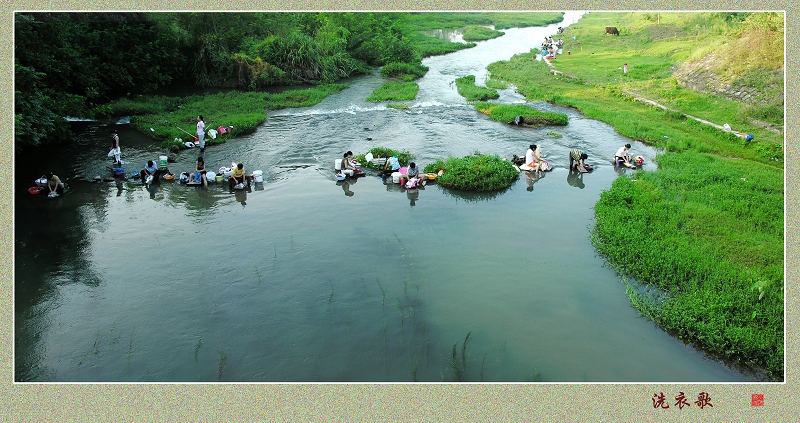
306, 279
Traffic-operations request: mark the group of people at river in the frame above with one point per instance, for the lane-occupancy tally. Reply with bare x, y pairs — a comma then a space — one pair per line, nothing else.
552, 48
116, 152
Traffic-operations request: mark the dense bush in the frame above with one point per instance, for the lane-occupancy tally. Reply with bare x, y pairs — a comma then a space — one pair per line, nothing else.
478, 172
404, 157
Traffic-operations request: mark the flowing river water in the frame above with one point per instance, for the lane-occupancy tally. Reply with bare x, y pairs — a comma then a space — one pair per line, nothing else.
306, 279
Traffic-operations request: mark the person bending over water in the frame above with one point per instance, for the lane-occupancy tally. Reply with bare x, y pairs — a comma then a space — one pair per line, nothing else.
54, 184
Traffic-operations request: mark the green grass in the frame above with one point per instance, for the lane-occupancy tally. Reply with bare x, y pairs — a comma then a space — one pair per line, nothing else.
434, 46
466, 88
709, 232
496, 84
501, 20
478, 172
609, 103
404, 71
404, 157
652, 52
395, 91
480, 33
245, 111
506, 113
706, 228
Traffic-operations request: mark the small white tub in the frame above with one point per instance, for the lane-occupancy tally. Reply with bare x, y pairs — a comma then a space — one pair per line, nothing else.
337, 164
258, 176
396, 177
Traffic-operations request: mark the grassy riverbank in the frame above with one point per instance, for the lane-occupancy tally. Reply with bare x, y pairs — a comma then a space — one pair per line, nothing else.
421, 21
173, 117
706, 228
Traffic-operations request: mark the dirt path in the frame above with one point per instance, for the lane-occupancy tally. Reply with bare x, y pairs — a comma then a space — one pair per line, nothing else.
635, 97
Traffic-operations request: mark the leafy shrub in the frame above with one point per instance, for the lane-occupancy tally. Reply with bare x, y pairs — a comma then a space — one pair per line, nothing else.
404, 157
478, 172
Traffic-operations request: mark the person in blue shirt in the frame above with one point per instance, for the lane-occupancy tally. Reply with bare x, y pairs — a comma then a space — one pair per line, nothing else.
391, 166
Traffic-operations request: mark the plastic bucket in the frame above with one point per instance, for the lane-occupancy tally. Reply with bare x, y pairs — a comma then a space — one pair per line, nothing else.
337, 164
218, 178
258, 176
396, 177
162, 160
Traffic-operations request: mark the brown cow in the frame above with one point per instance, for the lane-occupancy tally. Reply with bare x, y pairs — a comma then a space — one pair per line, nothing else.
612, 30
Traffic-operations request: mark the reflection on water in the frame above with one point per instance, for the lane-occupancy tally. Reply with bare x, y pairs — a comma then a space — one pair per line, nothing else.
300, 279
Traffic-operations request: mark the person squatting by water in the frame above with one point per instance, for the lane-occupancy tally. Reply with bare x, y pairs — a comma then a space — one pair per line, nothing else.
151, 169
54, 184
412, 175
532, 159
238, 177
200, 170
392, 165
577, 160
115, 151
201, 130
622, 156
348, 168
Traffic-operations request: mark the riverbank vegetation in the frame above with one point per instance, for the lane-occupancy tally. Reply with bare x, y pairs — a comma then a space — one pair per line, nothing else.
705, 229
130, 54
395, 91
404, 71
421, 21
532, 117
167, 118
466, 88
480, 33
403, 157
479, 172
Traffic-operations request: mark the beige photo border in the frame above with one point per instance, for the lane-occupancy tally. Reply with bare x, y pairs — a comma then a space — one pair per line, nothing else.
569, 402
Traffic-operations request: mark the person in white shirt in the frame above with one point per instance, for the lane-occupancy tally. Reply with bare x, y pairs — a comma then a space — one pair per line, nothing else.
201, 130
622, 156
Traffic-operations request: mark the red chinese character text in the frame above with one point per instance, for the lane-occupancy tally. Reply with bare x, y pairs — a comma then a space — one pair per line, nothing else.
659, 400
703, 400
681, 401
